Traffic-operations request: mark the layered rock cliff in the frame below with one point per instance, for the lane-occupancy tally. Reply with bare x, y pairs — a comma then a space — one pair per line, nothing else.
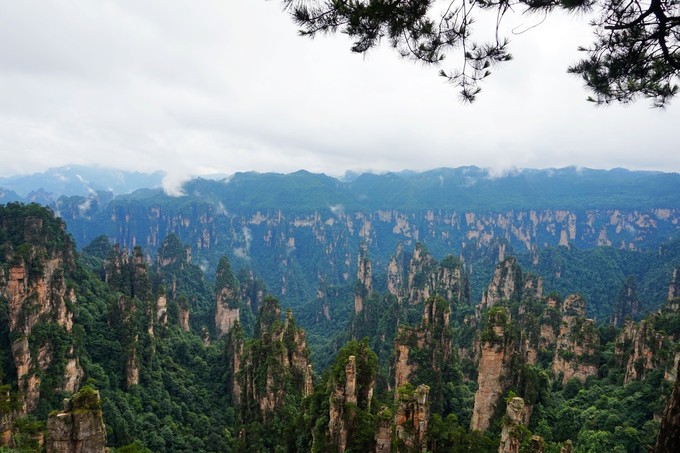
227, 295
638, 346
510, 284
343, 400
36, 259
79, 428
278, 239
576, 342
136, 312
417, 279
411, 419
669, 430
627, 305
524, 332
424, 352
272, 368
513, 327
511, 431
496, 353
364, 285
350, 394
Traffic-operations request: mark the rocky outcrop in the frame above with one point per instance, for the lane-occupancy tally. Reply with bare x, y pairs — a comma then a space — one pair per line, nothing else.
341, 415
183, 313
383, 432
227, 295
576, 343
38, 299
132, 367
669, 429
350, 394
422, 277
493, 366
130, 332
162, 310
638, 345
412, 419
137, 311
364, 285
674, 287
509, 283
253, 290
277, 361
79, 428
402, 367
225, 318
395, 273
430, 340
235, 341
627, 304
511, 434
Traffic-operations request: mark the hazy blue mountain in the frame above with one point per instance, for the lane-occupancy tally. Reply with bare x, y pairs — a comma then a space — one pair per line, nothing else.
299, 230
7, 196
79, 180
464, 188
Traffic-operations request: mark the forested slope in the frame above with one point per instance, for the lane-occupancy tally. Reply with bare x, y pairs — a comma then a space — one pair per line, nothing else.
183, 364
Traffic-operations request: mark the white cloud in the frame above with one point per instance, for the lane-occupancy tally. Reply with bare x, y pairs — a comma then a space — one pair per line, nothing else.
337, 209
172, 184
197, 88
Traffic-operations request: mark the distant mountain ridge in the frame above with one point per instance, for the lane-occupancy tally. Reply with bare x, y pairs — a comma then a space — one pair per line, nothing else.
75, 180
301, 230
463, 188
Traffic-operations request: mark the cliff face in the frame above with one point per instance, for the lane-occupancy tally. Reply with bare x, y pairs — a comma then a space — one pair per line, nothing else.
412, 419
395, 273
273, 367
520, 330
227, 295
576, 342
432, 339
669, 431
350, 395
79, 428
674, 287
638, 346
340, 413
515, 416
137, 311
383, 432
506, 284
364, 285
275, 237
421, 277
496, 345
39, 304
627, 304
493, 367
510, 284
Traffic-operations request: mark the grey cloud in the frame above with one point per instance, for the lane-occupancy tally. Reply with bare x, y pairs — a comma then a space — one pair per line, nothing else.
219, 87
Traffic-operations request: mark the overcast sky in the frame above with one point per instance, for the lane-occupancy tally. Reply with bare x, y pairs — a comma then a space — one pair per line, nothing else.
203, 86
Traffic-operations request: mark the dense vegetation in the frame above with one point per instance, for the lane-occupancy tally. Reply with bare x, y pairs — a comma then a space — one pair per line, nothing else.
183, 398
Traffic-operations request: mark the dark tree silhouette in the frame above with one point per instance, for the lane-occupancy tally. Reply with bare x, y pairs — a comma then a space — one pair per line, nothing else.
636, 52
